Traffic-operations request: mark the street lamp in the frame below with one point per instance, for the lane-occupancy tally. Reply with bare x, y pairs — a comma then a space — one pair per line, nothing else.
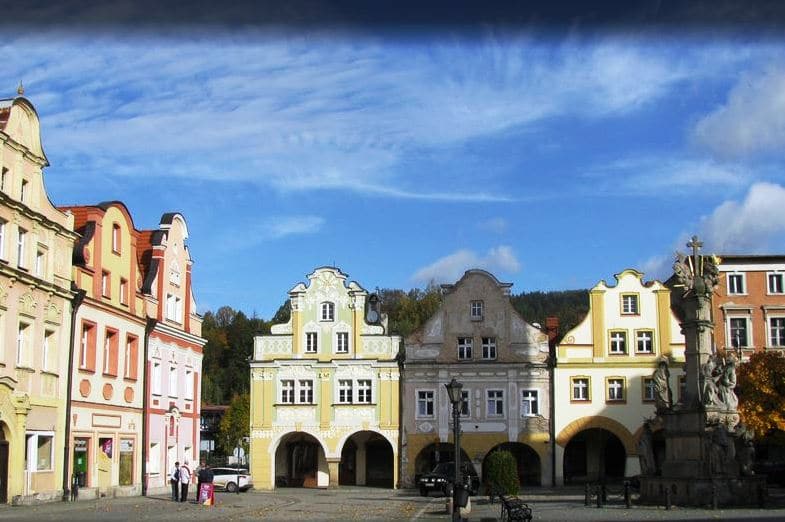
454, 391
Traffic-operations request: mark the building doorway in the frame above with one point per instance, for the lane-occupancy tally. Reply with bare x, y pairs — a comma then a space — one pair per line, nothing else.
300, 462
367, 459
594, 455
80, 460
3, 466
528, 462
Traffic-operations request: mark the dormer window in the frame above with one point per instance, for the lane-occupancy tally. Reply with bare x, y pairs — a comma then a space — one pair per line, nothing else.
476, 310
328, 311
116, 238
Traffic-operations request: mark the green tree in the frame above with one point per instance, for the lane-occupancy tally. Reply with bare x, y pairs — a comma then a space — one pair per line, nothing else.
236, 424
503, 472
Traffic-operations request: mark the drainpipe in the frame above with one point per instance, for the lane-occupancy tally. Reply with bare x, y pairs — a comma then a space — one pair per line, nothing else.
148, 328
552, 329
76, 302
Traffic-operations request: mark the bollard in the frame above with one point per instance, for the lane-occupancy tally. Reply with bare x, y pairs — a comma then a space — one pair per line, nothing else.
713, 496
586, 494
667, 498
627, 502
599, 497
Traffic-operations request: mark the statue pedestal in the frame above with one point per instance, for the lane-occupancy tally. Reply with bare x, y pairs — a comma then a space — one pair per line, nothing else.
700, 466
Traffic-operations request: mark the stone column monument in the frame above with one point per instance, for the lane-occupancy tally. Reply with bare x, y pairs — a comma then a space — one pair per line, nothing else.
701, 433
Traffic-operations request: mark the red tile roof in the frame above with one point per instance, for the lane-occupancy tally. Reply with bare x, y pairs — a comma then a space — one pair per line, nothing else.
80, 214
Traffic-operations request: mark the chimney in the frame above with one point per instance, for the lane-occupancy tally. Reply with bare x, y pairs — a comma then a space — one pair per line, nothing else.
552, 329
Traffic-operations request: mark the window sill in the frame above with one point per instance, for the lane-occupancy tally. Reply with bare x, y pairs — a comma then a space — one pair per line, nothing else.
156, 394
580, 401
354, 404
113, 375
86, 370
24, 368
643, 353
50, 372
617, 354
429, 418
130, 379
294, 404
477, 318
630, 314
615, 401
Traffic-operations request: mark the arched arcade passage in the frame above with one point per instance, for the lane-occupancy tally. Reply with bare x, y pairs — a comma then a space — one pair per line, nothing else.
527, 459
594, 454
300, 462
367, 459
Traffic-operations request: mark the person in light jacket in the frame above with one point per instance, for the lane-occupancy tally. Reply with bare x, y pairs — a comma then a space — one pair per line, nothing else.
174, 480
185, 479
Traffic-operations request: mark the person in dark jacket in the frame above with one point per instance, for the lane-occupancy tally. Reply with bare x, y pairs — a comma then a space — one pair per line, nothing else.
174, 480
203, 476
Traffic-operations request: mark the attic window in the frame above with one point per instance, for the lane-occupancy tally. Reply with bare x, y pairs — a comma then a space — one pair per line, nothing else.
116, 238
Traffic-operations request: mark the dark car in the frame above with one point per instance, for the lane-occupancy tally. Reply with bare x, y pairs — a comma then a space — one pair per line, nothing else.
442, 476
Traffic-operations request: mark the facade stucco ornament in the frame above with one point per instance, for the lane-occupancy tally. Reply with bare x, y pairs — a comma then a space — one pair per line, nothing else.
3, 294
16, 217
27, 304
355, 415
53, 313
355, 372
296, 372
324, 375
377, 345
371, 329
292, 414
425, 427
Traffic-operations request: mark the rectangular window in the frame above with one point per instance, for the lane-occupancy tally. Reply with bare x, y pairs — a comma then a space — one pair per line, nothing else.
530, 403
156, 378
644, 341
48, 362
110, 352
738, 332
105, 284
629, 304
425, 403
465, 411
40, 263
39, 454
131, 355
648, 389
87, 347
174, 308
345, 391
189, 384
776, 283
464, 348
311, 342
287, 392
342, 342
580, 388
123, 291
2, 238
328, 311
172, 381
736, 284
615, 389
20, 248
4, 179
306, 391
21, 344
777, 332
364, 391
23, 191
495, 403
116, 238
489, 347
476, 310
618, 343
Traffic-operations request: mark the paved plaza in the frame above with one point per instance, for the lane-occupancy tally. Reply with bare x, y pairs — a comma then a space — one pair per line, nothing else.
357, 503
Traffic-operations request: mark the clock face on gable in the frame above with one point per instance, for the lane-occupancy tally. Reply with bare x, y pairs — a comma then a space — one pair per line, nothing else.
372, 316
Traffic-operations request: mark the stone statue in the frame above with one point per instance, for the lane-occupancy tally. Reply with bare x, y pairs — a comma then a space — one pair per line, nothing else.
745, 455
663, 397
645, 449
698, 273
721, 449
726, 383
683, 271
708, 377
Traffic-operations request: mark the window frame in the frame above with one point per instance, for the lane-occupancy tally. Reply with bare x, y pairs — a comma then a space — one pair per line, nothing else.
88, 345
622, 382
3, 224
748, 343
156, 378
346, 388
106, 284
465, 409
111, 352
530, 400
116, 239
476, 309
488, 343
426, 401
647, 383
625, 350
32, 448
123, 291
573, 382
465, 348
311, 347
131, 357
21, 248
497, 400
638, 339
339, 347
742, 278
172, 382
770, 333
634, 300
773, 276
24, 330
363, 388
327, 311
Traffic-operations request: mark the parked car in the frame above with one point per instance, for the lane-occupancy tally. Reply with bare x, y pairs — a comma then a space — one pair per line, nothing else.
442, 476
232, 479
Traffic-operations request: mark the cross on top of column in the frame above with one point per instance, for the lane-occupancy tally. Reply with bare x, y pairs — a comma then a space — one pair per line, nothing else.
695, 245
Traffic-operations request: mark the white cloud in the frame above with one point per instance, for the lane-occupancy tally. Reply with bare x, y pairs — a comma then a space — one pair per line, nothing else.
451, 267
269, 229
752, 120
754, 225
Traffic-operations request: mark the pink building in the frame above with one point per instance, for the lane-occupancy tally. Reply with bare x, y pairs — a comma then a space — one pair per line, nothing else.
174, 351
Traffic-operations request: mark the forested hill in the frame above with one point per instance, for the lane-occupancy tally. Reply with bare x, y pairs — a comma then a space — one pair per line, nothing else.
230, 333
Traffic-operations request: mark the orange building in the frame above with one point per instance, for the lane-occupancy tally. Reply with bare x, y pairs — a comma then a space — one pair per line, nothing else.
749, 304
105, 425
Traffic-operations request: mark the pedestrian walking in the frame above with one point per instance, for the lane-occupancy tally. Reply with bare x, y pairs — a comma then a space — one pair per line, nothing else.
174, 480
185, 479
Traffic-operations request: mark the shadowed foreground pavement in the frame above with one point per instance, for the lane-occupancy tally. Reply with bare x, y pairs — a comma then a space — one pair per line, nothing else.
357, 503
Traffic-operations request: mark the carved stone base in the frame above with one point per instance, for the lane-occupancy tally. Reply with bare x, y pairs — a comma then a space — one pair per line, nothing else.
724, 491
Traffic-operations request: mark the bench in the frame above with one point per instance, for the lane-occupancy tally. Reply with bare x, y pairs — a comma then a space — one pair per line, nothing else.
514, 509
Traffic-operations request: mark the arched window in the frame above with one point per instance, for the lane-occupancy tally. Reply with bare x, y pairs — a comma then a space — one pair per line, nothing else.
328, 311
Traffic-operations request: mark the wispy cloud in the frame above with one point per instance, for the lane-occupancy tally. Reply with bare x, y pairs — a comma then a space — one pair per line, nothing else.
751, 121
451, 267
497, 225
270, 229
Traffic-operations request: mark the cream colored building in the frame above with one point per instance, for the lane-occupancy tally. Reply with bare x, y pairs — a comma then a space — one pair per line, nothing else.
324, 391
602, 382
36, 242
477, 337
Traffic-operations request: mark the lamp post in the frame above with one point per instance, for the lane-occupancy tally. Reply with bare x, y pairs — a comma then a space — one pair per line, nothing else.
454, 391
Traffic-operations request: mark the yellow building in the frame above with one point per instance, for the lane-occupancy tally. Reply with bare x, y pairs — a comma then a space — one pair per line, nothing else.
603, 386
36, 241
324, 391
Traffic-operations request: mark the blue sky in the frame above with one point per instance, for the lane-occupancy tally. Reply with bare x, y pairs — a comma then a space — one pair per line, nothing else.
553, 159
